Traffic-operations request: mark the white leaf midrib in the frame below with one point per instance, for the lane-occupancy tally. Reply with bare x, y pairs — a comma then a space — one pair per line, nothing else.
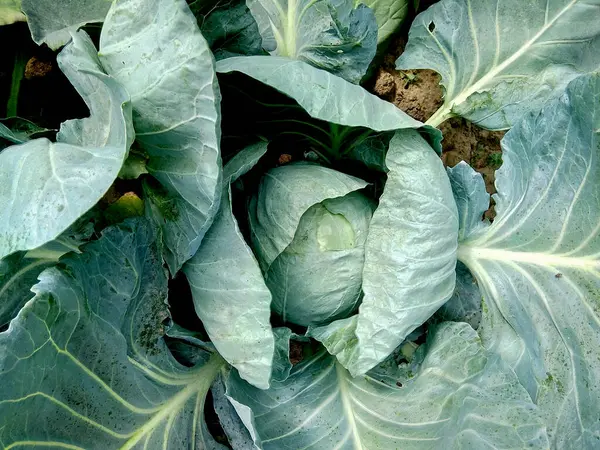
345, 396
15, 277
497, 69
171, 408
468, 253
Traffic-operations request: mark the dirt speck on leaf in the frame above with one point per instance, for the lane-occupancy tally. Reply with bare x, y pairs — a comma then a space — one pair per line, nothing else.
419, 94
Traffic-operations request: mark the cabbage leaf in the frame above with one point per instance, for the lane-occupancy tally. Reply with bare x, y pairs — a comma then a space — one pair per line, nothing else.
229, 292
459, 398
410, 258
87, 355
502, 58
155, 49
538, 264
45, 187
52, 22
328, 34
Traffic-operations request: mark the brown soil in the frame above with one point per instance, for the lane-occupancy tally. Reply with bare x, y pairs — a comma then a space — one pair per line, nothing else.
285, 158
37, 68
416, 92
464, 141
296, 352
419, 94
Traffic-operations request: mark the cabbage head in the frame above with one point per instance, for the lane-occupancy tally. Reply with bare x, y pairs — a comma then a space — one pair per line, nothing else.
309, 226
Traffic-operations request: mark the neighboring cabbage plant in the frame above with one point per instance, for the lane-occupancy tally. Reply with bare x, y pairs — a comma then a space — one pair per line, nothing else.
10, 12
316, 277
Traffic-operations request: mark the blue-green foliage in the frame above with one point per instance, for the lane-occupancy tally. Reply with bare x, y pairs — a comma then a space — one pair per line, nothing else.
302, 252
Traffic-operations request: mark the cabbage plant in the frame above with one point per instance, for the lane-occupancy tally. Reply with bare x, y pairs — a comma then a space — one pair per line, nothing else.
289, 264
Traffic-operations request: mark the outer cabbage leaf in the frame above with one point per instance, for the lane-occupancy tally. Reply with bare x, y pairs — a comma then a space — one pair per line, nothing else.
459, 399
134, 166
52, 22
465, 303
228, 27
282, 366
372, 150
472, 199
6, 134
19, 271
229, 292
187, 346
17, 130
17, 275
84, 364
538, 264
110, 121
323, 95
45, 186
243, 162
10, 12
284, 195
157, 51
196, 339
502, 58
410, 257
328, 34
237, 434
390, 14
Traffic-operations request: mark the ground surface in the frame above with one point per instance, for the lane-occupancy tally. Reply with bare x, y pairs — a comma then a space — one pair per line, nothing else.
418, 93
